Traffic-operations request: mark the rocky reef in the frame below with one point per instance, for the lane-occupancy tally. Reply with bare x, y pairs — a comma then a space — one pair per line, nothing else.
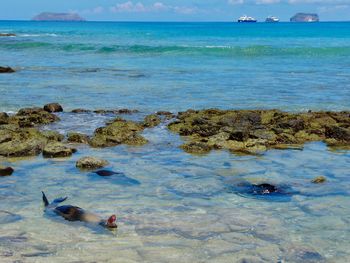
255, 131
48, 16
305, 17
19, 133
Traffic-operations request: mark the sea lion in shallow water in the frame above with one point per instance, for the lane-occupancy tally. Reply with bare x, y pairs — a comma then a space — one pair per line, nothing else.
75, 213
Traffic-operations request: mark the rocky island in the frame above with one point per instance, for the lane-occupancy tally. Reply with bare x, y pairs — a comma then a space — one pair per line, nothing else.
305, 17
47, 16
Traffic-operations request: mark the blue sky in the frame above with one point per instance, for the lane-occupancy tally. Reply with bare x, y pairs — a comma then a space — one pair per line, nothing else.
180, 10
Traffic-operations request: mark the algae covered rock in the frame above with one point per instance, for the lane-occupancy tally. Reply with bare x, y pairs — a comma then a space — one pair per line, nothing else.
29, 117
151, 121
91, 163
18, 142
53, 136
319, 180
6, 171
53, 107
76, 137
56, 149
118, 132
4, 118
255, 131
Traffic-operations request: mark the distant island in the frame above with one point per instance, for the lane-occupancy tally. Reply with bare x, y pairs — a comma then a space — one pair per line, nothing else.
305, 17
47, 16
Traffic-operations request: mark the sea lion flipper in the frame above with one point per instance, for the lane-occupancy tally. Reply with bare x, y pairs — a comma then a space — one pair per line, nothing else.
60, 200
46, 202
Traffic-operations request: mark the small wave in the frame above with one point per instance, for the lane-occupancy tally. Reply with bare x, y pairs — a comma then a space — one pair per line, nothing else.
233, 51
38, 35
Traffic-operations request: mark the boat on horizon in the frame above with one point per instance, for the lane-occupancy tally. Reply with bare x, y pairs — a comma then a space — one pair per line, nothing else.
272, 19
246, 19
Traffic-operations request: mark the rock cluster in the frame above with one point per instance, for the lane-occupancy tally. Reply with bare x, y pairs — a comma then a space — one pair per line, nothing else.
20, 136
255, 131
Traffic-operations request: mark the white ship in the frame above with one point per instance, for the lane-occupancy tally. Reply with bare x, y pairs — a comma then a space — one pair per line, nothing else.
247, 19
272, 19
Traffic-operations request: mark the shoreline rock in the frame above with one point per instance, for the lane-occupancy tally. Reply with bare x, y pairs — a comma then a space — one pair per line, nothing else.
255, 131
91, 163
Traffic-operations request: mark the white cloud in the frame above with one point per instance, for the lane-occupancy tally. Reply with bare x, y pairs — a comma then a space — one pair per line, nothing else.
138, 7
268, 2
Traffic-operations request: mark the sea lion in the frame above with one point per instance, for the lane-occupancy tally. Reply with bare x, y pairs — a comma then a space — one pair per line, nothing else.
75, 213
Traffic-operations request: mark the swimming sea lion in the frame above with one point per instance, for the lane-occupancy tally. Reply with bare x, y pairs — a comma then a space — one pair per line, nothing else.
74, 213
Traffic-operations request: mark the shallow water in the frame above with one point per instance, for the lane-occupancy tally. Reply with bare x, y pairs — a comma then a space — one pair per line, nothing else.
185, 206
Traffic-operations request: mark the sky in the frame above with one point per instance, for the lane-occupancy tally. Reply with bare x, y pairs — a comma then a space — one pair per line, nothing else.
179, 10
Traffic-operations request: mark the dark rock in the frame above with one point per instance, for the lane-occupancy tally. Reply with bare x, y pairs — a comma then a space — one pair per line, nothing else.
6, 70
80, 111
6, 171
56, 150
338, 133
126, 111
91, 163
53, 107
76, 137
7, 35
239, 135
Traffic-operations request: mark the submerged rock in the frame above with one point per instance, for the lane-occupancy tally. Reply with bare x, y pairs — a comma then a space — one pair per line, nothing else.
255, 131
6, 70
6, 171
105, 173
118, 132
80, 111
77, 137
53, 107
319, 180
56, 150
7, 35
91, 163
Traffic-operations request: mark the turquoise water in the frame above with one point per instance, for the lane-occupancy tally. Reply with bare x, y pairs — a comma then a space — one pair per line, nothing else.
176, 66
186, 207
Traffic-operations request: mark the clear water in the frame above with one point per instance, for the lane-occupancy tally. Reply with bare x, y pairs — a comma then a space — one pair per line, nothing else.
184, 209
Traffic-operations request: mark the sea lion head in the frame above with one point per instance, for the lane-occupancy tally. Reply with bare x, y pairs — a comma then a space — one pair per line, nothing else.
111, 222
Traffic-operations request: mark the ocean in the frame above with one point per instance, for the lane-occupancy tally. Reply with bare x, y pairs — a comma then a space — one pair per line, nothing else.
183, 208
